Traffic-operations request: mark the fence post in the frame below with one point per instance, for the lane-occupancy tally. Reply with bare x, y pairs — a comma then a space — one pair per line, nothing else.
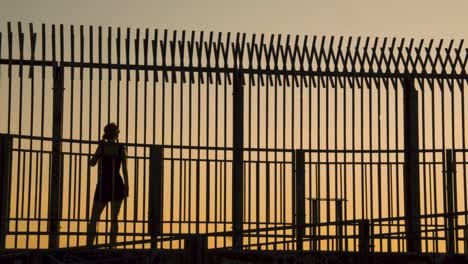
449, 196
56, 180
465, 240
6, 149
237, 163
155, 195
300, 198
411, 167
195, 249
364, 240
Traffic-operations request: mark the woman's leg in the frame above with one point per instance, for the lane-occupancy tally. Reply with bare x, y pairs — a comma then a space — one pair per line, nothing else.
114, 223
98, 207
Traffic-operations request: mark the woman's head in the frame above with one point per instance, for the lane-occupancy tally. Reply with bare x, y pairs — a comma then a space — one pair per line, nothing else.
111, 132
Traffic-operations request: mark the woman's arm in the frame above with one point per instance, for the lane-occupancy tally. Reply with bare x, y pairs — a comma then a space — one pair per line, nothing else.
124, 167
96, 156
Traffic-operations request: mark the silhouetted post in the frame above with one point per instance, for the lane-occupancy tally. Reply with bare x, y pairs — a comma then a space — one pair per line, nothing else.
195, 249
339, 228
465, 240
56, 179
315, 221
6, 149
411, 167
449, 196
300, 198
364, 241
155, 195
237, 163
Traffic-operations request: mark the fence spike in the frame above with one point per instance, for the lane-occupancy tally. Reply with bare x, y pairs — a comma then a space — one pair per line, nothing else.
127, 55
181, 56
109, 54
217, 52
145, 54
100, 52
62, 47
137, 55
72, 50
154, 46
191, 46
21, 49
173, 47
199, 51
32, 39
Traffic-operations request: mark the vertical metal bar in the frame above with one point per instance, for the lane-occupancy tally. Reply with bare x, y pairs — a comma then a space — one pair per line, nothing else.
315, 222
199, 51
136, 175
71, 127
423, 126
434, 174
411, 167
353, 149
379, 167
300, 198
465, 191
339, 228
100, 102
370, 192
90, 131
10, 58
6, 153
56, 181
109, 73
258, 164
181, 97
454, 178
227, 81
268, 195
216, 173
145, 107
465, 240
344, 177
364, 240
191, 45
155, 195
237, 166
21, 176
449, 191
208, 49
31, 124
197, 195
43, 103
173, 76
257, 177
389, 174
80, 171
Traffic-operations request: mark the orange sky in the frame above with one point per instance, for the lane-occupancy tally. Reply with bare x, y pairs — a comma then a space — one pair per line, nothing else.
418, 19
399, 18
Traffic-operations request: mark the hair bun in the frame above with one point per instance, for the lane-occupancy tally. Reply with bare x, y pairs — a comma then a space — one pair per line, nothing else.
110, 131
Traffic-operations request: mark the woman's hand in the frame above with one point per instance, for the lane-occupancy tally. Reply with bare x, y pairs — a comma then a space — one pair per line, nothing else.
96, 156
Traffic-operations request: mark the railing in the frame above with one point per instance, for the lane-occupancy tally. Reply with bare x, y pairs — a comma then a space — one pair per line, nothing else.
189, 185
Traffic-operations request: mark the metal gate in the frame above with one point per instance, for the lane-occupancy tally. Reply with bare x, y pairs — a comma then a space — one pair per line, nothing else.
259, 142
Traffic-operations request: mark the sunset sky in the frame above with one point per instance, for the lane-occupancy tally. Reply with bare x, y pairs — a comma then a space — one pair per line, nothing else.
399, 18
430, 19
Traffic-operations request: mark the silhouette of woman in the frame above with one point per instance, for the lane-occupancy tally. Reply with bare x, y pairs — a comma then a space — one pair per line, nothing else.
110, 187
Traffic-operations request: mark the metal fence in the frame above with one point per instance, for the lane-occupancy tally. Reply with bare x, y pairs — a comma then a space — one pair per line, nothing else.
263, 142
